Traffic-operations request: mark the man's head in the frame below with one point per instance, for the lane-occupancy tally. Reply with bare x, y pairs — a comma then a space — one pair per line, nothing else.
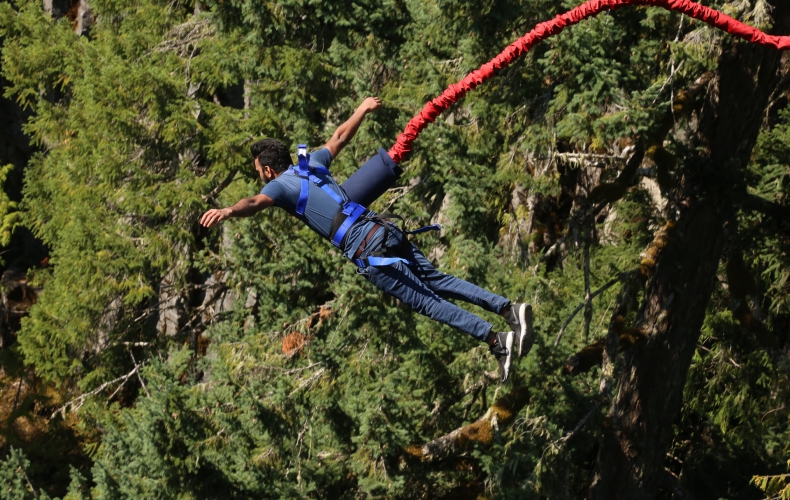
271, 158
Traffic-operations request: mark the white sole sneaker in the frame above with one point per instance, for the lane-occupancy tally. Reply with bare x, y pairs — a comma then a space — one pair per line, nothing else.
509, 359
526, 335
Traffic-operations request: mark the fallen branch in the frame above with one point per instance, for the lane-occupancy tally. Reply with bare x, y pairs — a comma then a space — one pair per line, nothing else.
308, 381
502, 412
76, 403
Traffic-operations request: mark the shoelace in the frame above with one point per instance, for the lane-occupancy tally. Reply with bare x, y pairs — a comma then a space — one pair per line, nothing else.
498, 351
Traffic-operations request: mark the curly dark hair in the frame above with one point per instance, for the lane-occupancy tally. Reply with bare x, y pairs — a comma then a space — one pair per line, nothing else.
273, 153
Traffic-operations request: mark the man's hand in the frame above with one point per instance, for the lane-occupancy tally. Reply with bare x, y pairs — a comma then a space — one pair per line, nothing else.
346, 131
215, 216
370, 104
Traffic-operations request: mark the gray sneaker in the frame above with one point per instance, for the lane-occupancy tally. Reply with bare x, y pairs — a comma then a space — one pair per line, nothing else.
519, 317
502, 351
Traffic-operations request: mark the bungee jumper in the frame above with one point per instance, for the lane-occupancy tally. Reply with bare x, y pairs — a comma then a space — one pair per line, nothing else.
380, 249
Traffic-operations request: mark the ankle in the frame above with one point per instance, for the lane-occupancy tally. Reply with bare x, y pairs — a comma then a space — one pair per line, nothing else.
507, 313
491, 339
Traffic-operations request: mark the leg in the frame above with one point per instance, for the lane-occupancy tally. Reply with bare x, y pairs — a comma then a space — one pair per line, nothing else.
398, 280
448, 286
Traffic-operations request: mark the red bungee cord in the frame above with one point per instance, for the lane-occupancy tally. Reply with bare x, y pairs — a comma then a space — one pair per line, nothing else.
550, 28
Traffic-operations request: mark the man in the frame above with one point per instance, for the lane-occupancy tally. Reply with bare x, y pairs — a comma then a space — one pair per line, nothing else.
401, 270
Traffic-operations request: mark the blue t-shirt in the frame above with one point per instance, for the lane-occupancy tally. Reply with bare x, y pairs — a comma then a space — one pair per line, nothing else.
321, 208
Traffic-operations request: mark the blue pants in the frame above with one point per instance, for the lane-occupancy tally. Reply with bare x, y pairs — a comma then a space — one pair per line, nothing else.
426, 290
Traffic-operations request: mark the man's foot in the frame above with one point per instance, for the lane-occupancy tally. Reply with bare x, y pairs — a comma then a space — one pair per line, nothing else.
502, 351
519, 317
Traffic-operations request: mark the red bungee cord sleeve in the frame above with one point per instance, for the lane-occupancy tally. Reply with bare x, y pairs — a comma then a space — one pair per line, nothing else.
550, 28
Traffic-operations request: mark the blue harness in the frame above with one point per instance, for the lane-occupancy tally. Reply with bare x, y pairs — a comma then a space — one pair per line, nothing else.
351, 210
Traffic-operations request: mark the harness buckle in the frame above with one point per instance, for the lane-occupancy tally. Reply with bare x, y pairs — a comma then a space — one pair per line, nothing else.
303, 165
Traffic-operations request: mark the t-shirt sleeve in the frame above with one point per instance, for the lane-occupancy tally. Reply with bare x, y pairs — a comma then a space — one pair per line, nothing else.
320, 158
275, 191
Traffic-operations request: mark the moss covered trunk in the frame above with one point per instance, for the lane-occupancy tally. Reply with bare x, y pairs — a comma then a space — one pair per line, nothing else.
652, 376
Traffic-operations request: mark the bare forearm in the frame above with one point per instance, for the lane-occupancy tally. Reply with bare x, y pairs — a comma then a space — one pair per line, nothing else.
346, 131
243, 208
246, 207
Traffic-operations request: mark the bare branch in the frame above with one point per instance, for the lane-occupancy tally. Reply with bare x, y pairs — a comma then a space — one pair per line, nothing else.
211, 198
258, 368
581, 423
185, 36
199, 311
612, 343
404, 190
29, 484
18, 392
607, 286
619, 337
139, 377
588, 306
443, 404
308, 381
76, 403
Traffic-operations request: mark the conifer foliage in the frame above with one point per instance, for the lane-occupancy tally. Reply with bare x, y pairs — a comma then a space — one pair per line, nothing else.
616, 178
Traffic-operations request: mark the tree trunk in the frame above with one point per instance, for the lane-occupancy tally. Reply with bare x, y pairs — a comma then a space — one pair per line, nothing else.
631, 458
654, 373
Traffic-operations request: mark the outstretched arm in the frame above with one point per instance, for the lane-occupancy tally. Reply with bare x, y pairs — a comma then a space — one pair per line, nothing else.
244, 208
346, 131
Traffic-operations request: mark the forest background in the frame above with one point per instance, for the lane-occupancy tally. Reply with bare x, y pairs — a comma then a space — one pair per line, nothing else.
629, 178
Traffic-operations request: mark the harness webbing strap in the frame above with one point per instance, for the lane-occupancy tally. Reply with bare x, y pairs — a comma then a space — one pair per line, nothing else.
432, 227
380, 261
352, 211
302, 170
